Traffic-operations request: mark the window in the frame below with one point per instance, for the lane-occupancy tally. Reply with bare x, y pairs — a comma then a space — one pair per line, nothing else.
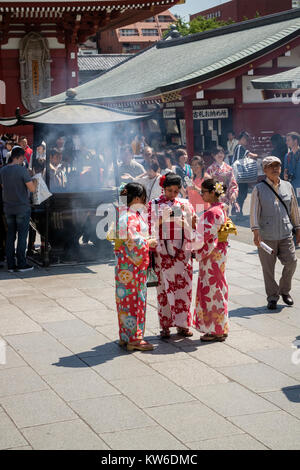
150, 32
165, 19
150, 20
131, 47
129, 32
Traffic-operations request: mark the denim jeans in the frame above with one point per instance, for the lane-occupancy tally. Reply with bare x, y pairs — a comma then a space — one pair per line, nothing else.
17, 224
2, 236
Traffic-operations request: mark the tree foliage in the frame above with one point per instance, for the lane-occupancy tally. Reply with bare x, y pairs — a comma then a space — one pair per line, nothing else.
198, 25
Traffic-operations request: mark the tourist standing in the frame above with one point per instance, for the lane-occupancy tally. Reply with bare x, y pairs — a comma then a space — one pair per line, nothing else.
291, 165
241, 152
132, 252
16, 181
280, 149
151, 181
274, 212
147, 154
183, 169
172, 219
28, 151
129, 169
232, 142
222, 172
165, 162
211, 310
194, 191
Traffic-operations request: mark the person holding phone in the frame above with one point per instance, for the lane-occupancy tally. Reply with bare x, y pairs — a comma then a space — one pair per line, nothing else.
172, 220
211, 310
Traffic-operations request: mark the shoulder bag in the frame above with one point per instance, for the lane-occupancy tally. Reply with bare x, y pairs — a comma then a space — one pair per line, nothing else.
283, 203
245, 169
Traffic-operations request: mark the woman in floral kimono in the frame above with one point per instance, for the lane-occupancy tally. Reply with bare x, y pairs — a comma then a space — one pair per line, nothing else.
171, 219
132, 252
222, 172
211, 312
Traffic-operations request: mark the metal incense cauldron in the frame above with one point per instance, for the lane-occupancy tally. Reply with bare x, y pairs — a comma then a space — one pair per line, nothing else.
68, 221
67, 225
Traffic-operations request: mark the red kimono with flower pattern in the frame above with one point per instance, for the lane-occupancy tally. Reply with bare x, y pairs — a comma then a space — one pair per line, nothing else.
131, 276
211, 310
173, 264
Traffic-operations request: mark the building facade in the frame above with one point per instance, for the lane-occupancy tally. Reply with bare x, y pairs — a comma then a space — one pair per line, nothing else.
135, 37
199, 101
39, 44
239, 10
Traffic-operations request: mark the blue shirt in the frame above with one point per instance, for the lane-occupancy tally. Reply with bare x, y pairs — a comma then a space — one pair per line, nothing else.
14, 190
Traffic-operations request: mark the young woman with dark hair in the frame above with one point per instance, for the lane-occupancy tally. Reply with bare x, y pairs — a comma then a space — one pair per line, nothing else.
194, 191
172, 220
222, 172
183, 169
165, 161
132, 252
211, 310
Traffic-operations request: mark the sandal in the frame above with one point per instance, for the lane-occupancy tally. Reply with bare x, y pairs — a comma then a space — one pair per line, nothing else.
165, 333
122, 343
184, 332
140, 346
211, 338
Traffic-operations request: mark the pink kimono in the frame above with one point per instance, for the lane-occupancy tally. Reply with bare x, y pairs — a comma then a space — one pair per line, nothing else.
211, 310
224, 173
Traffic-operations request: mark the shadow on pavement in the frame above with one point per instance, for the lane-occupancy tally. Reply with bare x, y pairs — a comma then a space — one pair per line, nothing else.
108, 351
246, 312
52, 271
292, 393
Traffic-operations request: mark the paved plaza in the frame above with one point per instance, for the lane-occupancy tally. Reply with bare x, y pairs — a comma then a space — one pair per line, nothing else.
67, 384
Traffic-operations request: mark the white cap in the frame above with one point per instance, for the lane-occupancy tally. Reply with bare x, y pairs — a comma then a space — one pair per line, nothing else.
269, 160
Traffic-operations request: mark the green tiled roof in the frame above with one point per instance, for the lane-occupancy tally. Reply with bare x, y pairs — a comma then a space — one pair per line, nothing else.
71, 112
289, 80
177, 63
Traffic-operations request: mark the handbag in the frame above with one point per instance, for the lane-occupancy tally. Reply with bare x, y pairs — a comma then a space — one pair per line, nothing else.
283, 203
226, 229
152, 280
245, 170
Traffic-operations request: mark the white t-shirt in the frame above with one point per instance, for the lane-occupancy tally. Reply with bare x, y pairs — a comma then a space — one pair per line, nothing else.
152, 186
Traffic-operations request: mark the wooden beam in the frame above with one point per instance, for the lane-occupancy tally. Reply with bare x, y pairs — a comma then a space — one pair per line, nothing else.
189, 126
220, 94
266, 71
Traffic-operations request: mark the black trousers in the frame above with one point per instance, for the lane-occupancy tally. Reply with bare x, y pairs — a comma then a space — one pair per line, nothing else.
243, 192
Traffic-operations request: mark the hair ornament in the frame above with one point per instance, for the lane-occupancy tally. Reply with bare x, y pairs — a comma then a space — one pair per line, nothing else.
218, 187
162, 180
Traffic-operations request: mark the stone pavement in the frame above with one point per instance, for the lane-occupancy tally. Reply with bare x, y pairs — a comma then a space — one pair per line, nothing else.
66, 383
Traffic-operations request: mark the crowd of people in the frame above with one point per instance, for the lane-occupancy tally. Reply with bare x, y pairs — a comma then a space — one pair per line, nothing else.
178, 209
199, 196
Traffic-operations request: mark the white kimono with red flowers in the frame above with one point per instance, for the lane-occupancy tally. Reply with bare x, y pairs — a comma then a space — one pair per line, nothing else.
173, 263
211, 311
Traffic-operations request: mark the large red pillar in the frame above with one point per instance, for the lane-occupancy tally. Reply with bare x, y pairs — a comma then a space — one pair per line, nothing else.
71, 56
189, 125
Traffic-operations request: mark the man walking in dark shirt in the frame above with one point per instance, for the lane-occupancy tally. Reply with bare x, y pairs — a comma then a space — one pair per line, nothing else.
16, 181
